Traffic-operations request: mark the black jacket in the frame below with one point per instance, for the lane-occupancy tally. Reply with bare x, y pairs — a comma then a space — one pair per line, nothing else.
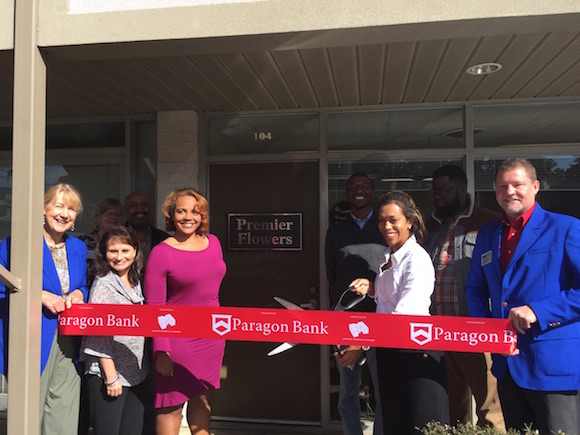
353, 253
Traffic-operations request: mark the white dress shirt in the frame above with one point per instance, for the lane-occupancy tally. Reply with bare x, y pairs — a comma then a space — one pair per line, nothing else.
405, 287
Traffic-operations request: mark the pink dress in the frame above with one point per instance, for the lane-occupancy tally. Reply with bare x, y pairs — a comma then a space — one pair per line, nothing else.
176, 277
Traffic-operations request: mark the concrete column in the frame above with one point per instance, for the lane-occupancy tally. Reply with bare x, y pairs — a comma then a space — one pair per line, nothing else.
27, 201
177, 155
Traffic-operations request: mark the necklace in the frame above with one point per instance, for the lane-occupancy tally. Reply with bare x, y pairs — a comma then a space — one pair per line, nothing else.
55, 245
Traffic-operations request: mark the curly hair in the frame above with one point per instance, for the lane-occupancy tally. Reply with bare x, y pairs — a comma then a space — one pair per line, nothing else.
102, 207
122, 235
409, 209
201, 206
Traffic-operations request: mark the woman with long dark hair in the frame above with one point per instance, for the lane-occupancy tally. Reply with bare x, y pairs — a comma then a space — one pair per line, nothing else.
116, 367
412, 383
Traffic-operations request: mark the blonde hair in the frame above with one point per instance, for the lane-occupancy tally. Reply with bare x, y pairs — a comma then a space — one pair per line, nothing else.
102, 207
201, 206
69, 193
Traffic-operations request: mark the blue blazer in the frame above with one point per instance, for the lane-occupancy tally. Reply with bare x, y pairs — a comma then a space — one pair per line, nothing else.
77, 268
543, 273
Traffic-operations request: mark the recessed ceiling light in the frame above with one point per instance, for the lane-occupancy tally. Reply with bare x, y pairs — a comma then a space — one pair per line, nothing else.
483, 68
457, 133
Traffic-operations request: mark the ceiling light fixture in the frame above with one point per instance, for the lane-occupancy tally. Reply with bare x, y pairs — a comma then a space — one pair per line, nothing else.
397, 179
483, 68
457, 133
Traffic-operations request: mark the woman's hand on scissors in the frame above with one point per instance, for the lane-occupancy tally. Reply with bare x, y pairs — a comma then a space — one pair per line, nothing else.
362, 286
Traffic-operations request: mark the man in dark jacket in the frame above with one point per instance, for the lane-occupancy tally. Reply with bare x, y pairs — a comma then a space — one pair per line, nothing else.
355, 249
138, 214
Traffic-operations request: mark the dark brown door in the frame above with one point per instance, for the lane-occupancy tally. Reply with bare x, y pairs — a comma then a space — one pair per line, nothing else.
255, 386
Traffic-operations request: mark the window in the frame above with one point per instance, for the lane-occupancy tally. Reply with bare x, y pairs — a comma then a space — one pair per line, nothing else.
411, 176
396, 129
263, 134
559, 183
517, 125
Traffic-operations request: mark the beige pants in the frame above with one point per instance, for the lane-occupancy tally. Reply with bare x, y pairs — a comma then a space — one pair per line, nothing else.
60, 387
470, 373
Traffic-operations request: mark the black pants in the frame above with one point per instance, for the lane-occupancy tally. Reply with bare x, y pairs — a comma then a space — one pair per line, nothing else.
84, 413
547, 411
122, 415
149, 421
413, 384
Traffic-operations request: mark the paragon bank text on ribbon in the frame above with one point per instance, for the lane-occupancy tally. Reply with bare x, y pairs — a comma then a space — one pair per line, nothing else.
461, 334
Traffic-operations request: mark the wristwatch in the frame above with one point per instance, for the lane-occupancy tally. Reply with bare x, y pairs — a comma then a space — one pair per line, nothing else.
365, 348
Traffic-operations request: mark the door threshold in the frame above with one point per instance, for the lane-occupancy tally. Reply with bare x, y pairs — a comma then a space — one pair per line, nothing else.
222, 426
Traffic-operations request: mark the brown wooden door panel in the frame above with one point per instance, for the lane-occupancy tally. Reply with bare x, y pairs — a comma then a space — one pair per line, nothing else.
255, 386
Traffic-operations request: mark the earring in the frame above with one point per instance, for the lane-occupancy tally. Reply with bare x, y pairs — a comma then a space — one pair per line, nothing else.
43, 219
73, 227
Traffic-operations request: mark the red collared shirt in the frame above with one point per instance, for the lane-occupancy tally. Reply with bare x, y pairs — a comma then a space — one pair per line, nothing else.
510, 236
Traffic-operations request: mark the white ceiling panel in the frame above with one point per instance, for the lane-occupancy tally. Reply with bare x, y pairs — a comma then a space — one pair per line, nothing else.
255, 76
320, 75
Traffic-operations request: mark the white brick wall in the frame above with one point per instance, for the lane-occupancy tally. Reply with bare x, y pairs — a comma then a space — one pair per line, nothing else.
177, 155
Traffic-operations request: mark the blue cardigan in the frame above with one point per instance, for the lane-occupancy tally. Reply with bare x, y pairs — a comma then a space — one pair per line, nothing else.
544, 273
77, 268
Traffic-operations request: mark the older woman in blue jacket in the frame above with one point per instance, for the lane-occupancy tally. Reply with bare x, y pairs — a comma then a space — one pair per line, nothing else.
64, 283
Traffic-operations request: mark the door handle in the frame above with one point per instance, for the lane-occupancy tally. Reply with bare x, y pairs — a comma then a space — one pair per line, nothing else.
312, 304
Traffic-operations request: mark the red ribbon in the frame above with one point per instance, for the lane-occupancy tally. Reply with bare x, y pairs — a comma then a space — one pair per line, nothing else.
463, 334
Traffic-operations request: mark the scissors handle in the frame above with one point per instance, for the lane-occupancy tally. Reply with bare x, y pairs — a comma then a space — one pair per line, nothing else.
339, 305
340, 349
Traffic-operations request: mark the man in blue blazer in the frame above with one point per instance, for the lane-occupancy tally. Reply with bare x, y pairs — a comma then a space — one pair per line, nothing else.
527, 264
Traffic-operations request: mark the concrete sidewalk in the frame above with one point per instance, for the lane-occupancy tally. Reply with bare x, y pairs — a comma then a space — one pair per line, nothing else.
237, 428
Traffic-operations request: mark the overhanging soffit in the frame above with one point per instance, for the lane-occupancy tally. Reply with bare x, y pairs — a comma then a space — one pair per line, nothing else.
340, 68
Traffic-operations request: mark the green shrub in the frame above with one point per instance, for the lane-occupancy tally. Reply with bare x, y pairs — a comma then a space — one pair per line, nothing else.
436, 428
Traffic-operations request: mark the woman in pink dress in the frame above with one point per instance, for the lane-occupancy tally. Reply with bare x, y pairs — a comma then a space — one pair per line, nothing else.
186, 269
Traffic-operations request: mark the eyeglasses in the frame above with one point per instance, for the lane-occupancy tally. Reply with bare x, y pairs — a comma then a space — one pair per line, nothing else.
364, 187
443, 191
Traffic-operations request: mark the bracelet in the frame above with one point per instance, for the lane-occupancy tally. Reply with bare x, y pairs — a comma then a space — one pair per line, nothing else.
115, 379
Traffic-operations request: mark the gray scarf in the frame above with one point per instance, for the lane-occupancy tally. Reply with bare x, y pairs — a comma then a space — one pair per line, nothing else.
134, 296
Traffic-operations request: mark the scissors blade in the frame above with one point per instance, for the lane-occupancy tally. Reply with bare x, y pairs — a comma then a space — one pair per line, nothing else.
282, 348
287, 304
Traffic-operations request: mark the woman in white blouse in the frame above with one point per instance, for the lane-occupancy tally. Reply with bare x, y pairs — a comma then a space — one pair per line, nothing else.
413, 383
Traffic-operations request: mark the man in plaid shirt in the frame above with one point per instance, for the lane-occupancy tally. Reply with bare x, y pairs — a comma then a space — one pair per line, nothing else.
451, 234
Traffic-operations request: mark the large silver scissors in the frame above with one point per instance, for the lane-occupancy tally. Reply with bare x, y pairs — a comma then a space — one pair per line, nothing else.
344, 304
284, 346
340, 306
